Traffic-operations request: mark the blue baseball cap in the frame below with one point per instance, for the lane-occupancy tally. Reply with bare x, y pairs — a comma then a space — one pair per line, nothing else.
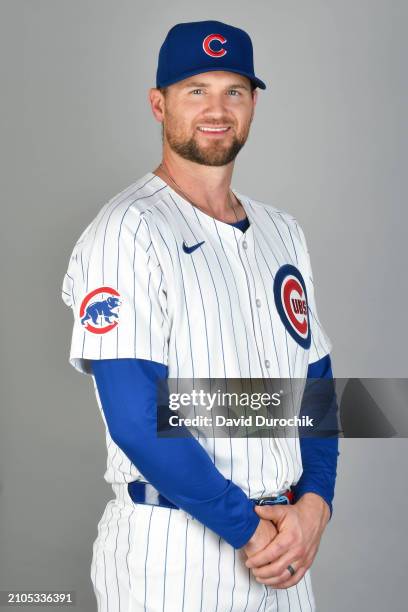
203, 46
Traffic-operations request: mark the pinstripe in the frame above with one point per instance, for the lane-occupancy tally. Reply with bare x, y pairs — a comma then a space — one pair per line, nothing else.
72, 290
134, 285
307, 593
127, 554
115, 552
139, 233
150, 315
249, 292
185, 564
165, 560
233, 584
264, 352
229, 296
293, 244
115, 202
146, 557
174, 337
314, 344
202, 569
279, 234
204, 315
269, 308
249, 588
278, 442
297, 593
259, 318
273, 337
130, 205
283, 443
104, 561
246, 336
95, 559
266, 598
134, 282
258, 353
118, 250
214, 285
82, 268
287, 594
188, 318
219, 573
226, 287
322, 351
263, 598
162, 322
230, 307
186, 306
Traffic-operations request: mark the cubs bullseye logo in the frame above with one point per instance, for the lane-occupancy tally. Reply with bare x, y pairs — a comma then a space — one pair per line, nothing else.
98, 310
291, 302
207, 45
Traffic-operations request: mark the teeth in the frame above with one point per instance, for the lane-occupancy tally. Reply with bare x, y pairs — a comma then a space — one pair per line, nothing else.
205, 129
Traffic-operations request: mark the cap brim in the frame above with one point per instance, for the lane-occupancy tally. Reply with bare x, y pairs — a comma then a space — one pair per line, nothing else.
257, 82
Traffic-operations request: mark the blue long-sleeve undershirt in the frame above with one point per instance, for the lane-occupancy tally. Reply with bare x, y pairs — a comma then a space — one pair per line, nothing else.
179, 468
319, 454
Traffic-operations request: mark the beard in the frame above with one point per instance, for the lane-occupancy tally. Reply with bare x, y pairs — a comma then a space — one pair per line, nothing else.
214, 153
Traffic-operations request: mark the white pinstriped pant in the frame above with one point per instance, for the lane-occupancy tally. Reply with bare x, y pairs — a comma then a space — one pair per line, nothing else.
154, 559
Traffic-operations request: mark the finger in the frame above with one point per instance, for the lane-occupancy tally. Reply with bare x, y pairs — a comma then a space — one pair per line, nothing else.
293, 579
285, 583
282, 574
279, 568
279, 546
271, 513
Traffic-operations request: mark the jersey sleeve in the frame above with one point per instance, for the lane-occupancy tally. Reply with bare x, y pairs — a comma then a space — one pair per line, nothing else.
321, 344
117, 292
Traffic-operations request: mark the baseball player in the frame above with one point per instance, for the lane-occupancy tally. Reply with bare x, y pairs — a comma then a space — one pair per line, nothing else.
182, 276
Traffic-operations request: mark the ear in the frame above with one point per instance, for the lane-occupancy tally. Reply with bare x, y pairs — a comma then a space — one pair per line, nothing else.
157, 103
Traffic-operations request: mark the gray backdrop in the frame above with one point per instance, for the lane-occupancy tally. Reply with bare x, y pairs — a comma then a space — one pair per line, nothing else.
327, 145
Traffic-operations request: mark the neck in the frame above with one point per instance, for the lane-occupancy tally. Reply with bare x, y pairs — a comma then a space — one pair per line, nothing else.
206, 186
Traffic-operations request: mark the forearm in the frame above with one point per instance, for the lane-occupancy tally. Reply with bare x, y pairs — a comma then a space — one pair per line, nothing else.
179, 468
319, 457
319, 454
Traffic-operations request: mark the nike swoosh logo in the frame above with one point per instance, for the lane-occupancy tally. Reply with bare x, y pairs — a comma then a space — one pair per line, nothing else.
190, 249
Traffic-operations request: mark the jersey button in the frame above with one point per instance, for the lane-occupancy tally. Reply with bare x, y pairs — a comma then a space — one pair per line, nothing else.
267, 363
244, 244
258, 302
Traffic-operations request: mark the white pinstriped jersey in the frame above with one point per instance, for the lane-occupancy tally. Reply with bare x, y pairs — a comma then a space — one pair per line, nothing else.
216, 312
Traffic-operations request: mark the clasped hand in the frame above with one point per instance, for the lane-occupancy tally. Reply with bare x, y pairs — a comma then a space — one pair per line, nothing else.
286, 535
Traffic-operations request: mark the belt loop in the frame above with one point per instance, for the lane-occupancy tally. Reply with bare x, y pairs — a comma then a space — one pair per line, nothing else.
284, 498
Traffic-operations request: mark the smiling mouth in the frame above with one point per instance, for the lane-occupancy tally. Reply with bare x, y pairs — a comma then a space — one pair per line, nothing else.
213, 130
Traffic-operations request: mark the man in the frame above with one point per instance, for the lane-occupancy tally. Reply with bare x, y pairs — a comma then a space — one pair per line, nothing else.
180, 276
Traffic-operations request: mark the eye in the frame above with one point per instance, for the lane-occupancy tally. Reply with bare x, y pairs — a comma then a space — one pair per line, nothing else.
236, 91
196, 90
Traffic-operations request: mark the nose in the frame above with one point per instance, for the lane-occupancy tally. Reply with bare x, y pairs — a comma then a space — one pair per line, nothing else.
216, 103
